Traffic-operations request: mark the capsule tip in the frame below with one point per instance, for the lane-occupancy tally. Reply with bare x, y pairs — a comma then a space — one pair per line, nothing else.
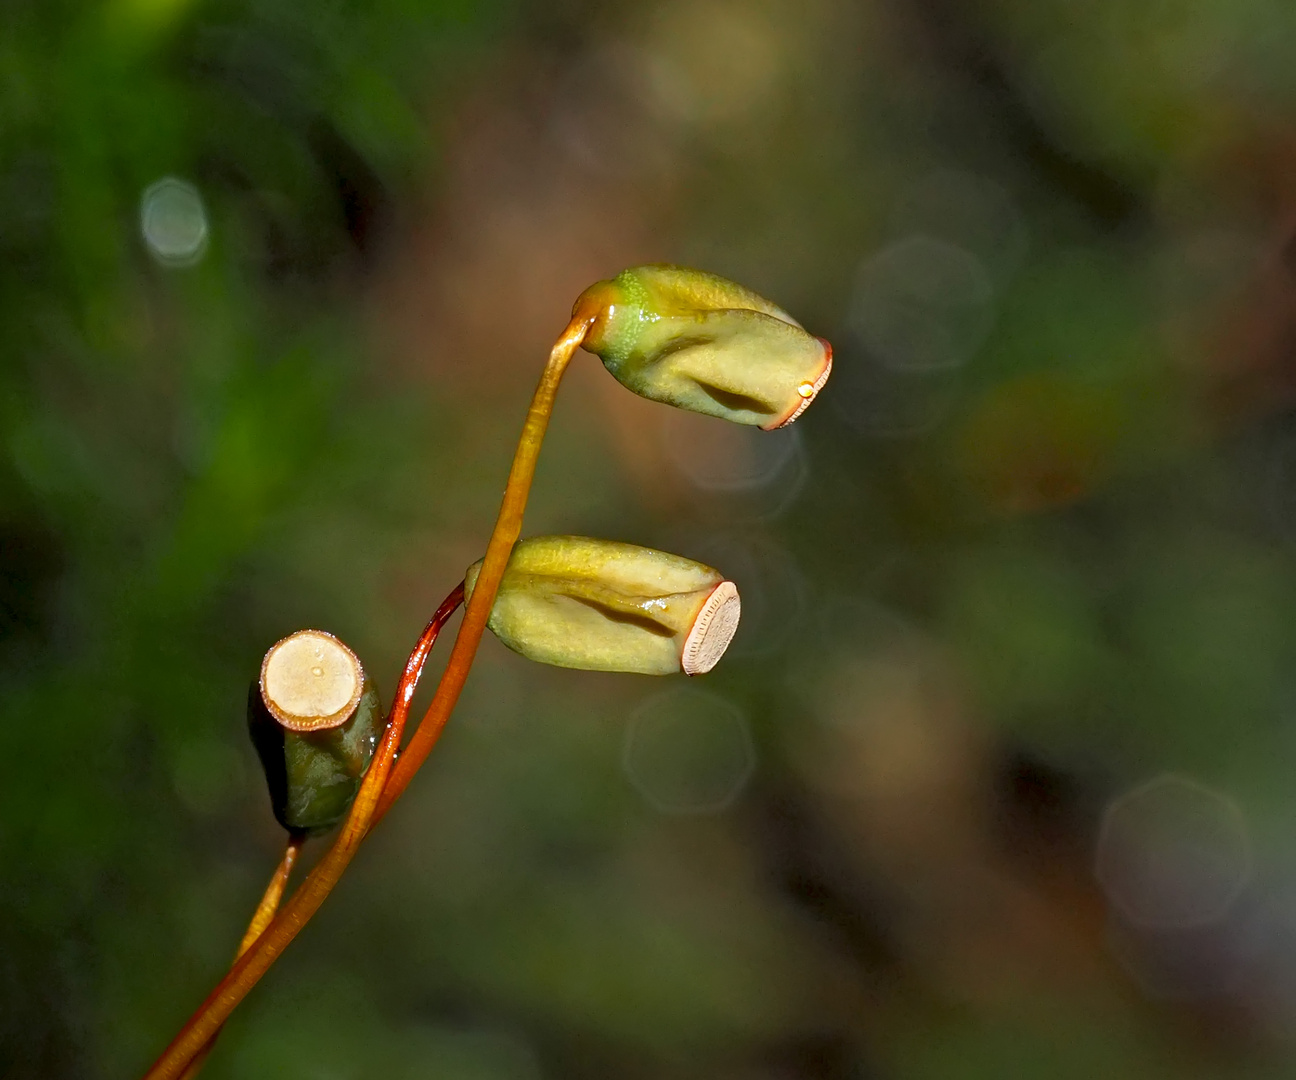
808, 390
310, 681
712, 630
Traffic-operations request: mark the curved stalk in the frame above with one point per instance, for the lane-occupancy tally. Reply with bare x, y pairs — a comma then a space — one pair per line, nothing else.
269, 905
382, 784
256, 961
261, 918
508, 526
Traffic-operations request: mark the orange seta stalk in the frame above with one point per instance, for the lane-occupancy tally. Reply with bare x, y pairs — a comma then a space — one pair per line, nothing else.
508, 526
256, 961
269, 905
261, 918
382, 785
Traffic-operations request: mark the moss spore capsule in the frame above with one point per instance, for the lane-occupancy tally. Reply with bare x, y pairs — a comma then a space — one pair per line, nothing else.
315, 720
602, 605
703, 343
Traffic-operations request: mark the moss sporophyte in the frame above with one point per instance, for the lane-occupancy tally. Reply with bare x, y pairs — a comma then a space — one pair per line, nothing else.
699, 342
682, 337
605, 606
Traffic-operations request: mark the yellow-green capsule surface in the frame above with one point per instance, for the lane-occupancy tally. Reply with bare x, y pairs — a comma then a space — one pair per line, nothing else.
603, 605
706, 344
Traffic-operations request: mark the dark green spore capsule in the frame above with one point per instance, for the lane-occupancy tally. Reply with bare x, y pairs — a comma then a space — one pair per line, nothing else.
314, 776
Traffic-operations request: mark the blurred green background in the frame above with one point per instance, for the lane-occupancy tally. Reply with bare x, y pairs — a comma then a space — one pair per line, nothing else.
996, 780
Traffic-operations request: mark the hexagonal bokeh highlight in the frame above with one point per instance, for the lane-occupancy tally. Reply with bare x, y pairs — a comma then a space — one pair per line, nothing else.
1173, 854
173, 222
688, 751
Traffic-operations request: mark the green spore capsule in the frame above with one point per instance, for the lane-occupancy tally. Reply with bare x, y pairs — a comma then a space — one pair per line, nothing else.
702, 343
315, 720
601, 605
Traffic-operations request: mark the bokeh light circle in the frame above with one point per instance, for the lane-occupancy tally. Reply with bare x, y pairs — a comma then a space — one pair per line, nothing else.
718, 456
173, 221
688, 751
1173, 854
922, 304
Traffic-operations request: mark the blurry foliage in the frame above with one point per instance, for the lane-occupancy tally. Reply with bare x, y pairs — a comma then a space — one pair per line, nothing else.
1035, 546
157, 424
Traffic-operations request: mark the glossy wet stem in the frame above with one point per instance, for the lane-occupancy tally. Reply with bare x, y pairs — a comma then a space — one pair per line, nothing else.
261, 918
508, 526
382, 784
